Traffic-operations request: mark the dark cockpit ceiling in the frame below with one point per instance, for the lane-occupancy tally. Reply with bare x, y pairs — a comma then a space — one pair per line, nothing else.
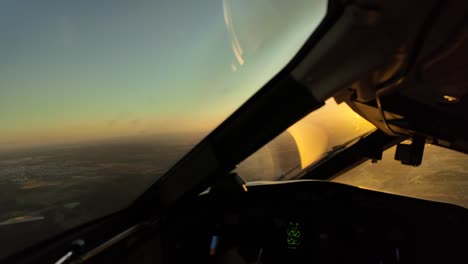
423, 88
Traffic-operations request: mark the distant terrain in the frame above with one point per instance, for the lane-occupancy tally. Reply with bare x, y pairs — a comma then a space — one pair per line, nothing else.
442, 176
61, 187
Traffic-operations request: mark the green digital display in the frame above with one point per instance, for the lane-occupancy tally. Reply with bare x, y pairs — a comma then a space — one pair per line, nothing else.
293, 235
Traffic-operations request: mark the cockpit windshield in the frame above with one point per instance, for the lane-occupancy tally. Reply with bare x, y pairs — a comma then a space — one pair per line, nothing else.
98, 98
332, 128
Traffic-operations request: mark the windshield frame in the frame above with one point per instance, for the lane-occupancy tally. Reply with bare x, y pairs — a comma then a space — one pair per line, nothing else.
213, 156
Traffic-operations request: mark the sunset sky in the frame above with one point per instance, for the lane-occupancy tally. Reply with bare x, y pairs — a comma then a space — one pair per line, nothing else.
90, 69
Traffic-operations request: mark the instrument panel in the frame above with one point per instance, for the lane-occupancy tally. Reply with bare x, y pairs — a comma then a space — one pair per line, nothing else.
316, 222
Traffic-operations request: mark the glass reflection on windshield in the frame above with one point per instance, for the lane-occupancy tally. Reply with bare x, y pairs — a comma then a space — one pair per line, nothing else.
304, 143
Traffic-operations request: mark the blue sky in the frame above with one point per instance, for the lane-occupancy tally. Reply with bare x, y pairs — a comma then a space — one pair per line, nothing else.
87, 69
